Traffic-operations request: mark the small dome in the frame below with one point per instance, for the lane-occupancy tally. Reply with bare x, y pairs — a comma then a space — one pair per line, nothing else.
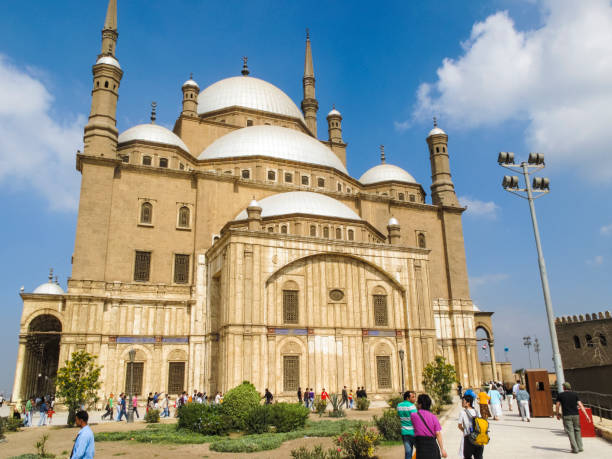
190, 82
393, 221
109, 60
152, 133
253, 203
248, 92
386, 173
435, 131
334, 112
273, 142
302, 202
49, 288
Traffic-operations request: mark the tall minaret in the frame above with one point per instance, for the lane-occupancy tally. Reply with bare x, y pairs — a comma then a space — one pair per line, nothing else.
442, 187
101, 133
310, 106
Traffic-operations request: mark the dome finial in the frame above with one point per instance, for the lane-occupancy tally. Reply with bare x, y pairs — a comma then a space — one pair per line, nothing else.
153, 112
245, 68
50, 275
307, 33
435, 121
382, 154
191, 75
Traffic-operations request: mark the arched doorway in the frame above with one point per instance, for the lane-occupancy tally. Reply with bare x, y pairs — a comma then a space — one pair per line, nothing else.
42, 356
486, 352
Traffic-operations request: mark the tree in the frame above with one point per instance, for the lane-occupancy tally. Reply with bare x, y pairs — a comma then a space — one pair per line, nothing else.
77, 382
438, 379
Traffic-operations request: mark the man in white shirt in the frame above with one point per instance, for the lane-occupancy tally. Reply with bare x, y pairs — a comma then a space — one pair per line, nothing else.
515, 390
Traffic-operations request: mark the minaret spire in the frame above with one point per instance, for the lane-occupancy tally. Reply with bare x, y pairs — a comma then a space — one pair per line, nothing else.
310, 106
109, 31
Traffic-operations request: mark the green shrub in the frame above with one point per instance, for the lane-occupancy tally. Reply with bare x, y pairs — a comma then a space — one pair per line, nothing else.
336, 411
248, 444
317, 453
288, 416
237, 403
359, 443
10, 424
393, 402
258, 419
363, 404
320, 406
152, 416
204, 419
389, 425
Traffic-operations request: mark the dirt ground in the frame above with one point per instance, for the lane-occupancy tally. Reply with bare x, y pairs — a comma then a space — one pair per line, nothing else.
61, 440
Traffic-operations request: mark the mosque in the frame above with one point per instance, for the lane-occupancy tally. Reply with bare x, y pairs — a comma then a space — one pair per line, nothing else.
238, 247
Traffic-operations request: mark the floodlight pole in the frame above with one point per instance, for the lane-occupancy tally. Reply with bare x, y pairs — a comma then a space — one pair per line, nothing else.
544, 277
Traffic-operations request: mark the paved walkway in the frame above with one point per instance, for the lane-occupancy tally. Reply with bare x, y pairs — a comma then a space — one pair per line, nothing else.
511, 438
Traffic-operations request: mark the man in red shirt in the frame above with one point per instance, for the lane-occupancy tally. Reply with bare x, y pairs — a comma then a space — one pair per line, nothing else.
324, 395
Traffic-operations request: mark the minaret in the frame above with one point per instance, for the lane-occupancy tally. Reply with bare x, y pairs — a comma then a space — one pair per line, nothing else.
190, 97
334, 125
101, 133
442, 188
310, 106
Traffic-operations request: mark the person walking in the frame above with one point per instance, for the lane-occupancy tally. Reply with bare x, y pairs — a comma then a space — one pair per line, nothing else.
345, 401
495, 404
109, 408
166, 406
515, 390
522, 399
123, 410
311, 397
28, 413
427, 431
466, 426
84, 444
43, 413
135, 406
509, 397
569, 403
404, 411
351, 399
299, 394
268, 396
459, 390
324, 395
483, 402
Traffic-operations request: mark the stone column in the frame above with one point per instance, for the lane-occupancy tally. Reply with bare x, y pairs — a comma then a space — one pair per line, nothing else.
493, 363
21, 354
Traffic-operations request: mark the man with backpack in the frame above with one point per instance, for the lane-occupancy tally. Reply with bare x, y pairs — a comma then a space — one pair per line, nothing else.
475, 430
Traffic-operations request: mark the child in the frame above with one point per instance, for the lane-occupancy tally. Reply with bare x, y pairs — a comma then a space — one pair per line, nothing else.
350, 395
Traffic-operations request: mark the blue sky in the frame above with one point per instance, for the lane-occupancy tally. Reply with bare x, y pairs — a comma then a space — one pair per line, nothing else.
500, 75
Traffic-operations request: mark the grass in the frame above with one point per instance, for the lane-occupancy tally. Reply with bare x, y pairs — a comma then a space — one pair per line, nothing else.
169, 434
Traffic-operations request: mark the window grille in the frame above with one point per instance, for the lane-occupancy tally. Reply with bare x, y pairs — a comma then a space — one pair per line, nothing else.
146, 160
401, 196
135, 388
383, 371
163, 162
305, 180
284, 229
412, 198
288, 177
290, 306
271, 175
326, 232
142, 266
291, 373
313, 230
380, 310
338, 233
176, 377
351, 235
146, 213
321, 182
181, 269
183, 217
422, 241
246, 174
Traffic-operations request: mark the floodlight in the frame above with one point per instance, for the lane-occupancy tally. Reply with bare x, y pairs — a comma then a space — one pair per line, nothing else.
536, 158
541, 183
510, 182
505, 157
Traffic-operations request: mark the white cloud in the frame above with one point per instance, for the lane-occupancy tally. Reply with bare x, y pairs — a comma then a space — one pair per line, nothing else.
606, 230
477, 208
486, 279
37, 150
596, 261
556, 78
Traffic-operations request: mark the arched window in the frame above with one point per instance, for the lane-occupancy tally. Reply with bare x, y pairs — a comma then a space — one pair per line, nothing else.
422, 242
290, 303
284, 229
249, 122
443, 149
326, 232
338, 233
183, 217
412, 198
589, 340
271, 175
146, 160
246, 174
106, 84
313, 230
602, 339
437, 149
380, 307
351, 235
288, 177
321, 182
401, 196
305, 180
163, 162
576, 342
146, 213
339, 186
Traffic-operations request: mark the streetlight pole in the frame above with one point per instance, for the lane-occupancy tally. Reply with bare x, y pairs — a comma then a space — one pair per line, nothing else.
540, 184
401, 356
130, 417
536, 348
527, 344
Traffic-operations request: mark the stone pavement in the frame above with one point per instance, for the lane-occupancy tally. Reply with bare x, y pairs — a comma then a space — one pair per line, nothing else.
511, 438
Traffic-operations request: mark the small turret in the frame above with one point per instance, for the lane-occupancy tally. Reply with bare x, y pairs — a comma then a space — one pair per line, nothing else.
393, 229
190, 97
254, 215
442, 187
334, 126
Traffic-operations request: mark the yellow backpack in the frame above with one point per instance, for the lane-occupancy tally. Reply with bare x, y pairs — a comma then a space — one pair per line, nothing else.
479, 435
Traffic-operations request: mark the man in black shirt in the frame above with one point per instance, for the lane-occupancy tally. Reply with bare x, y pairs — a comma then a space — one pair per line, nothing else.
569, 403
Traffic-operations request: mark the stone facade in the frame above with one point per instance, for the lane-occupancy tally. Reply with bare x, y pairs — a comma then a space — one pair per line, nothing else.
361, 289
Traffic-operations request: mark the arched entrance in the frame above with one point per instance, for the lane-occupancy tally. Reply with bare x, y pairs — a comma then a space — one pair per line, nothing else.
42, 356
485, 342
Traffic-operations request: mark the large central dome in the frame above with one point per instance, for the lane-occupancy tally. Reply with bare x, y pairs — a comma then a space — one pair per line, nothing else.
273, 142
248, 92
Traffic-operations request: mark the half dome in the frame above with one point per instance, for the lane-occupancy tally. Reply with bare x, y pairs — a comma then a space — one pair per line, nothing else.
274, 142
49, 288
109, 60
302, 202
152, 133
386, 173
248, 92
